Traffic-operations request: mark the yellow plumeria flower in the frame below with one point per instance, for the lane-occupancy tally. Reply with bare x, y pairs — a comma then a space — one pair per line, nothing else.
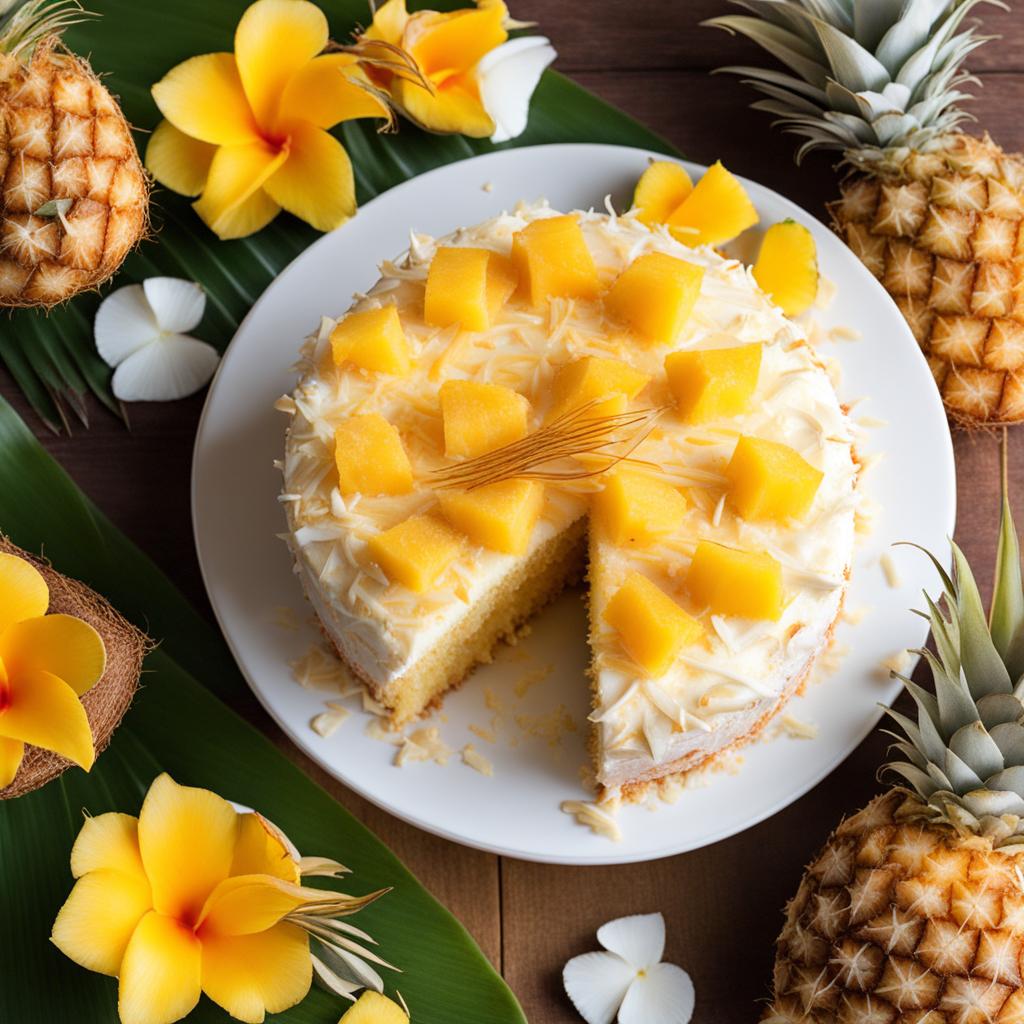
46, 663
469, 79
193, 896
246, 131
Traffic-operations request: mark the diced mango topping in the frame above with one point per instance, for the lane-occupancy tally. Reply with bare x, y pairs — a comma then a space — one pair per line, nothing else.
768, 480
655, 295
370, 457
500, 516
713, 383
728, 581
467, 286
373, 1008
416, 551
480, 417
372, 339
593, 377
787, 267
716, 211
636, 508
652, 628
660, 190
552, 258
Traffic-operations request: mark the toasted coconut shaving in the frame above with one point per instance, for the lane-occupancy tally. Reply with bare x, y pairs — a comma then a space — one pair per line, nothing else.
572, 434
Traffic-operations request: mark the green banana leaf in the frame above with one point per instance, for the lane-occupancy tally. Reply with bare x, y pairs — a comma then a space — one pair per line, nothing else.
179, 723
133, 43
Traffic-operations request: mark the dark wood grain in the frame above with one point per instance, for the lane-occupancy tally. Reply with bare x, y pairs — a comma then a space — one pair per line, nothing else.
723, 904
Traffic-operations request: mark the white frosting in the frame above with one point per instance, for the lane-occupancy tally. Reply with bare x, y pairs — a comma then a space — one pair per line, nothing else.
719, 688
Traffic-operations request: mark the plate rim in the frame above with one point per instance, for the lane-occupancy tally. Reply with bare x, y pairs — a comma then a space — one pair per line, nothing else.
797, 792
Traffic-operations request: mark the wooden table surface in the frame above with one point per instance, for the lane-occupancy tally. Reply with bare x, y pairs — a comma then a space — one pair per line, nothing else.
722, 904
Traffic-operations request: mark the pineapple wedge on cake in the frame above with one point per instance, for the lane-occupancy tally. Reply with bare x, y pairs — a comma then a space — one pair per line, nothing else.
74, 199
437, 500
914, 908
934, 213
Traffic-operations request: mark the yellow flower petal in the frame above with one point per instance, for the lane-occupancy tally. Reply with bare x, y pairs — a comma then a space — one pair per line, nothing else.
274, 39
246, 904
203, 97
94, 925
455, 41
23, 591
248, 217
64, 645
251, 975
160, 972
453, 107
43, 710
315, 182
187, 841
389, 22
237, 175
178, 161
259, 850
11, 753
325, 92
108, 842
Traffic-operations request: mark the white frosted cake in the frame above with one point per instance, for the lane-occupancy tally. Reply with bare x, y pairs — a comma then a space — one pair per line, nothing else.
424, 528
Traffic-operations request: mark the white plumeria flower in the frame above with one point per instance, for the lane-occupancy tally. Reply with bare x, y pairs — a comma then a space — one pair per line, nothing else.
507, 78
141, 331
629, 979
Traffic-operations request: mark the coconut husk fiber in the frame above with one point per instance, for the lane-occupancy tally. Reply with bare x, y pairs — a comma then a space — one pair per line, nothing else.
106, 703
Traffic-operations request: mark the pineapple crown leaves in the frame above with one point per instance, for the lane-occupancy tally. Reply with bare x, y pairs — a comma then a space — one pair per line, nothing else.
964, 755
24, 24
864, 76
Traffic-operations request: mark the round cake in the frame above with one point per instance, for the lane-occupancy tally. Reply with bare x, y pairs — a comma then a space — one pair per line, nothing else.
550, 396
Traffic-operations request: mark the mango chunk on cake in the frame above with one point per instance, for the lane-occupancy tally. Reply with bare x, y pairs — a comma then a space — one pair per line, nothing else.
787, 267
591, 378
370, 457
770, 480
635, 508
728, 581
660, 190
500, 516
655, 295
716, 211
552, 259
652, 628
416, 551
481, 417
373, 339
467, 286
713, 383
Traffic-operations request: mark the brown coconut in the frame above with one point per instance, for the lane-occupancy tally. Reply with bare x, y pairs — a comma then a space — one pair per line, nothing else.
107, 701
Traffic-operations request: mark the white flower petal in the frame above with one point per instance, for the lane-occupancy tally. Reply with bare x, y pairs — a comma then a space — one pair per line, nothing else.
639, 939
507, 77
597, 983
124, 323
171, 367
177, 304
661, 995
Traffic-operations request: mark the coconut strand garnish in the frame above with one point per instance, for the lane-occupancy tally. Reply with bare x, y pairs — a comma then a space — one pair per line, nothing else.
570, 435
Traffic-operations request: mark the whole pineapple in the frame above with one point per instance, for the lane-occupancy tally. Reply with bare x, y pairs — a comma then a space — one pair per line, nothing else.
74, 199
914, 909
935, 214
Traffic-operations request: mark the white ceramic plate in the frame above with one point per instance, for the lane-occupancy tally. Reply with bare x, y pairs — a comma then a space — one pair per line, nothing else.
516, 811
